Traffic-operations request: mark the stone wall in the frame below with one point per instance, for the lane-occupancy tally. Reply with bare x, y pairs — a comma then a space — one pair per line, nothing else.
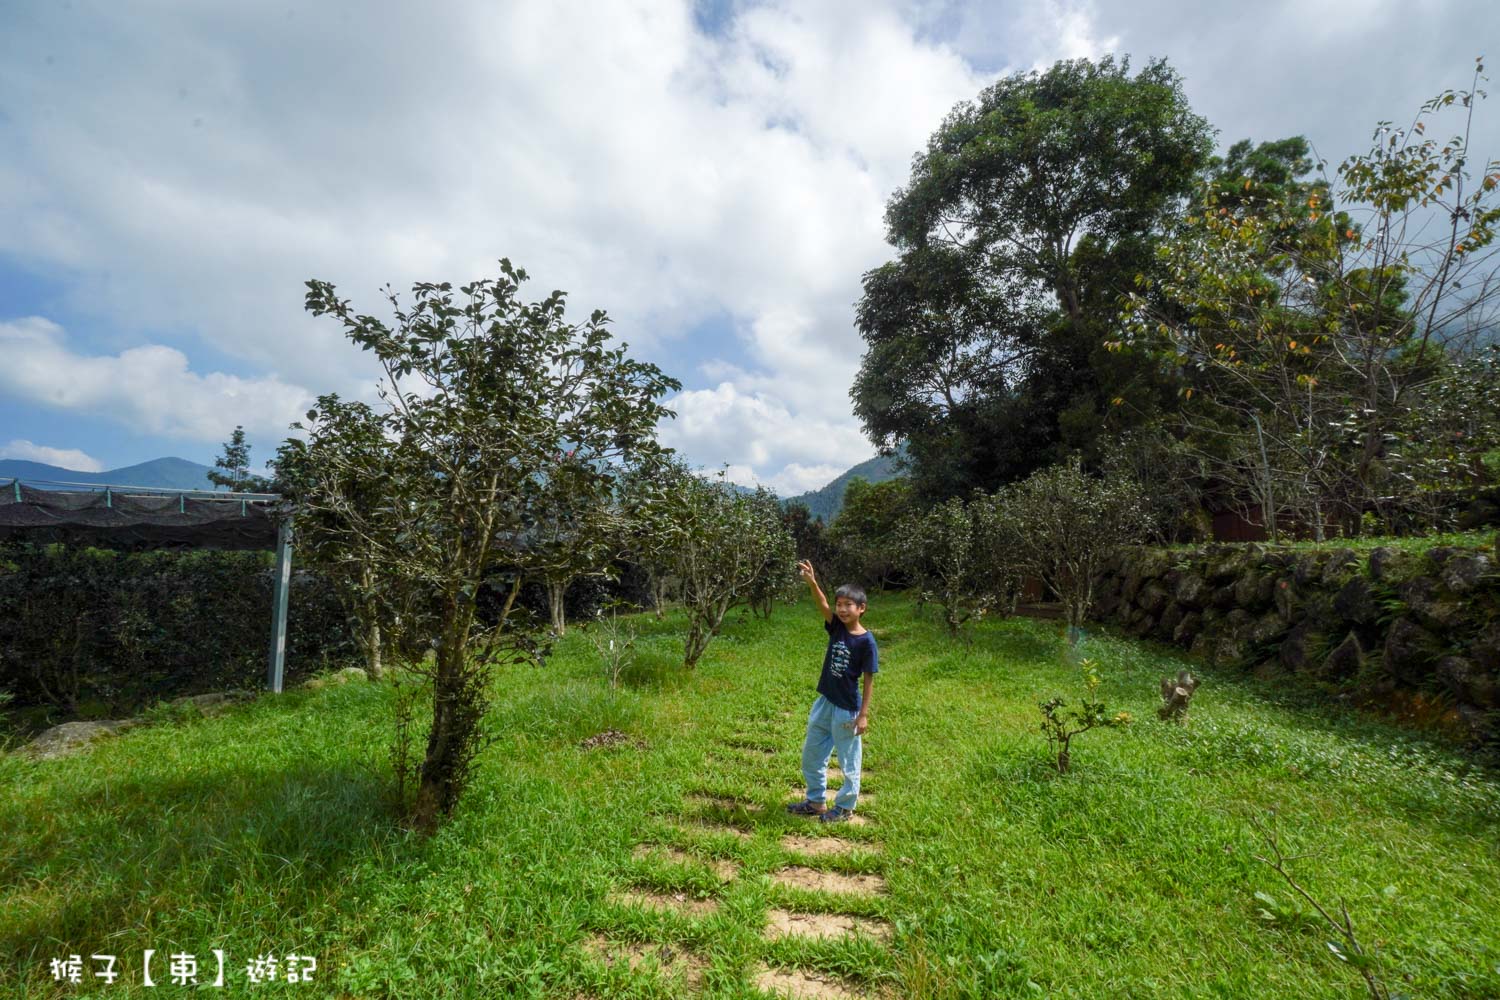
1383, 626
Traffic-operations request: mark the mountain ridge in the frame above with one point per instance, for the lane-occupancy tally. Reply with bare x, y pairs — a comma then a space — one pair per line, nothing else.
829, 500
160, 473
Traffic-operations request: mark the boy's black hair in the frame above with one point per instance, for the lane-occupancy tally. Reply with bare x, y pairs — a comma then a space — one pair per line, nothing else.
854, 593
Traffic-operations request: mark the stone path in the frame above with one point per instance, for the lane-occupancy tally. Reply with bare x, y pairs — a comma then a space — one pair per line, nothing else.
673, 962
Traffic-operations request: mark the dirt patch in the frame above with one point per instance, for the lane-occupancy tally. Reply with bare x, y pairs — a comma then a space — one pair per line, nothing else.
820, 846
725, 802
722, 867
674, 962
665, 902
799, 877
784, 923
751, 746
800, 984
612, 738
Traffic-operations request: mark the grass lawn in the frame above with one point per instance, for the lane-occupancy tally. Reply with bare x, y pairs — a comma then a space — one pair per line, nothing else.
977, 872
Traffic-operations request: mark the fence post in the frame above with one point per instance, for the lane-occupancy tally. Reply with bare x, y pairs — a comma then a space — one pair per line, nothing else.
278, 603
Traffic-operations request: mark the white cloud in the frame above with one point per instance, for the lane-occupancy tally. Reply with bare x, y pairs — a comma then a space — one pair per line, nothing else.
191, 167
71, 459
756, 431
149, 388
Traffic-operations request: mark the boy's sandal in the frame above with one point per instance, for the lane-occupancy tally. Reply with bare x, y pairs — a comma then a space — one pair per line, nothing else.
807, 808
837, 814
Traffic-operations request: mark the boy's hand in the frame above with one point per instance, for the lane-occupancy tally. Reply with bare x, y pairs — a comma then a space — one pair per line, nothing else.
806, 569
861, 723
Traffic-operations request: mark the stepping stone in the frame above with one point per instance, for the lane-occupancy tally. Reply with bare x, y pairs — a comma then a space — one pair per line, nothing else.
664, 902
821, 846
798, 877
674, 962
784, 923
725, 802
722, 867
801, 984
693, 825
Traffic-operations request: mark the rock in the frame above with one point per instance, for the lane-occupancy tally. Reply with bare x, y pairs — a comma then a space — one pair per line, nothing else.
1380, 562
1190, 590
1438, 556
1237, 624
1187, 629
1294, 648
1152, 598
351, 674
1171, 615
1267, 629
1354, 603
1427, 601
1202, 646
1410, 651
1143, 625
1284, 597
70, 737
1340, 563
1485, 649
1223, 597
1307, 567
1106, 604
1469, 684
1345, 661
1462, 572
1246, 588
1228, 651
314, 684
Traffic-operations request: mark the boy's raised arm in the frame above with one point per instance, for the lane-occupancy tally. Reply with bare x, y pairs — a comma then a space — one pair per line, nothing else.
812, 582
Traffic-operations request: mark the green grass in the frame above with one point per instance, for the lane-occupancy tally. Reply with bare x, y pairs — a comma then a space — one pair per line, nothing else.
262, 831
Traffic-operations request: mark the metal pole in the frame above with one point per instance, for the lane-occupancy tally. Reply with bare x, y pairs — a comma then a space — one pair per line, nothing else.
278, 603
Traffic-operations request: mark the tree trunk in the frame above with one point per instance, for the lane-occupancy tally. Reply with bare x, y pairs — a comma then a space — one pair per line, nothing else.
659, 596
556, 591
457, 707
373, 644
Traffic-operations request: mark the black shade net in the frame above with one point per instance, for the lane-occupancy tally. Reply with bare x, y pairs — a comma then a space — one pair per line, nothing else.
112, 518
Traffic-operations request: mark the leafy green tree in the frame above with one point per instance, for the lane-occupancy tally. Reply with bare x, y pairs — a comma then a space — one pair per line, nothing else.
1063, 524
1311, 326
232, 468
482, 393
345, 525
1030, 211
727, 550
946, 547
775, 581
865, 531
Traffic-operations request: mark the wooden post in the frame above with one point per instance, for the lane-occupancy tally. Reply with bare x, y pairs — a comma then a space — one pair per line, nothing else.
278, 604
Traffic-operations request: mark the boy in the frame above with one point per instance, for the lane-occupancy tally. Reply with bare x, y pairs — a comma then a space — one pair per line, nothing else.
841, 713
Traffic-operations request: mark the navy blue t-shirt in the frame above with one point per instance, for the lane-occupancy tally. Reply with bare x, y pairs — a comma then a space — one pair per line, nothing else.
847, 657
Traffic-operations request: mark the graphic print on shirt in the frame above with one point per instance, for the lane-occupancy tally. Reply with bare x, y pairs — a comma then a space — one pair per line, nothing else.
838, 664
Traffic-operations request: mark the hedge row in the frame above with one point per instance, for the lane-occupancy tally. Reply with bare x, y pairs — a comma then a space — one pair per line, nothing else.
95, 632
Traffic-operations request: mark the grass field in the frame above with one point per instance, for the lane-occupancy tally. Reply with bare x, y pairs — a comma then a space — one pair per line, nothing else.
979, 872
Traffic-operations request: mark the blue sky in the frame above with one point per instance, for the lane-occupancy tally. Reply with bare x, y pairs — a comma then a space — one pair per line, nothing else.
713, 175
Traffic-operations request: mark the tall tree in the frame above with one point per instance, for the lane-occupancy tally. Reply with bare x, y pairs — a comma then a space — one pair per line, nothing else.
1312, 321
1031, 210
482, 394
232, 468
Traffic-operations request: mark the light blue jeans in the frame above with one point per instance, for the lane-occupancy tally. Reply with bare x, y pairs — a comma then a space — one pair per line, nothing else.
828, 728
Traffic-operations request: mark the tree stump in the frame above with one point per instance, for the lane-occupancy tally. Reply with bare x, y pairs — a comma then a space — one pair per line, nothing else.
1176, 696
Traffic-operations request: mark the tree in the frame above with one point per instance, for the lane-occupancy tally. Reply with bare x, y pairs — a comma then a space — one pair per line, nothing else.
865, 530
774, 580
1063, 525
232, 469
1030, 211
344, 519
481, 394
1310, 326
725, 546
945, 547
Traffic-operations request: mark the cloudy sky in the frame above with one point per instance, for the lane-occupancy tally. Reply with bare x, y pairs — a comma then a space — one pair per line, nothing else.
711, 174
